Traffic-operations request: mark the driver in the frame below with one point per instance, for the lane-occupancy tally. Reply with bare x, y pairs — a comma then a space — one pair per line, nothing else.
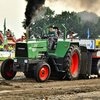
52, 36
51, 31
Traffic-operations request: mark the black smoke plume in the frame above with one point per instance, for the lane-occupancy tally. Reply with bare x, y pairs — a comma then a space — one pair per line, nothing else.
75, 5
31, 8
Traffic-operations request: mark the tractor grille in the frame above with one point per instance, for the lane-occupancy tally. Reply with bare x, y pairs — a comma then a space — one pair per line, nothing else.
21, 50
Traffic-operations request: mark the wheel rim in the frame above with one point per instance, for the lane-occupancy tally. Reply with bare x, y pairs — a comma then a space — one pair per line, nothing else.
75, 63
9, 69
44, 72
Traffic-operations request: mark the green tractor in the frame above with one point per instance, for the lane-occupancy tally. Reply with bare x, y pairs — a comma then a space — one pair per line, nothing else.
35, 60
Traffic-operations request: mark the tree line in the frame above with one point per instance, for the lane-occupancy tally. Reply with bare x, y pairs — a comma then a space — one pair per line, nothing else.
77, 22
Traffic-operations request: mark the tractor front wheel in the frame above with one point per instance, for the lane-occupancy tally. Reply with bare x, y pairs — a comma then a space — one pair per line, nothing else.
7, 69
72, 62
42, 72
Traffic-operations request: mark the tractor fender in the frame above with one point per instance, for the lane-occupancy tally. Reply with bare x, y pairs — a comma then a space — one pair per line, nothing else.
63, 46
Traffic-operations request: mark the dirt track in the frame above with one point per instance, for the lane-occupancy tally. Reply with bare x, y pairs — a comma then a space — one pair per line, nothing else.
21, 88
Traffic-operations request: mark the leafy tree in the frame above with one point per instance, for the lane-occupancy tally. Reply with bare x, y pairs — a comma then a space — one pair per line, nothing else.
72, 20
0, 31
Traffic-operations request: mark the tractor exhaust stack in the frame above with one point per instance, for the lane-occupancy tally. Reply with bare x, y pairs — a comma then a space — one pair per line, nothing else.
27, 34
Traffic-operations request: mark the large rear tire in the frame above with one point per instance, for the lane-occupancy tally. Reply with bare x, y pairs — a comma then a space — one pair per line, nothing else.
72, 62
29, 74
98, 68
7, 69
42, 72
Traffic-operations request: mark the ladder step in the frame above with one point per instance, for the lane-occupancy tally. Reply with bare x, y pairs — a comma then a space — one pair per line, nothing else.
62, 71
59, 64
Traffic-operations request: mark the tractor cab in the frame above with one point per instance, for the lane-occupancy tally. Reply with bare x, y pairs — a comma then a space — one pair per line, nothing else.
60, 30
56, 30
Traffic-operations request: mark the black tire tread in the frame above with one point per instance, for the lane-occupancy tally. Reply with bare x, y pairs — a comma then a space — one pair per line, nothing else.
3, 73
29, 74
37, 69
67, 61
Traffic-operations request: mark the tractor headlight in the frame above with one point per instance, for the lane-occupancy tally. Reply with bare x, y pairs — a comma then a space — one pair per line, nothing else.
25, 61
15, 60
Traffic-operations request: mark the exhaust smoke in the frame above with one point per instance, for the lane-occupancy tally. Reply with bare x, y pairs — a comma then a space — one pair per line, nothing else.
34, 6
31, 8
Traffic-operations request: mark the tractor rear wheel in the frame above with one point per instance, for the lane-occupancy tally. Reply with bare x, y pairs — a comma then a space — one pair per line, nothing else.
7, 69
29, 74
42, 72
98, 68
72, 62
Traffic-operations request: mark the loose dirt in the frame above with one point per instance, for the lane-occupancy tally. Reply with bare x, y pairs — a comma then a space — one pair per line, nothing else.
22, 88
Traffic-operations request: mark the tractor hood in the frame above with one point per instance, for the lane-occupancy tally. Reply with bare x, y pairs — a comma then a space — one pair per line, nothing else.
30, 49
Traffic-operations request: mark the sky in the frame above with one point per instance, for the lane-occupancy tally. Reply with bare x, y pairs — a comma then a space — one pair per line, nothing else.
13, 11
74, 5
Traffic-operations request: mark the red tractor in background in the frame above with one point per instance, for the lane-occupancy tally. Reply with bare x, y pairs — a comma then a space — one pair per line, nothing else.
10, 40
